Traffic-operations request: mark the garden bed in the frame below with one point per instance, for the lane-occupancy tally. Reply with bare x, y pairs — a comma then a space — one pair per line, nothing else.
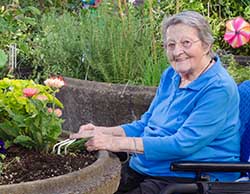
22, 165
101, 177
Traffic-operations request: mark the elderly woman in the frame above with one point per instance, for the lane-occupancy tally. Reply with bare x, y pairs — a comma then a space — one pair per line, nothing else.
193, 116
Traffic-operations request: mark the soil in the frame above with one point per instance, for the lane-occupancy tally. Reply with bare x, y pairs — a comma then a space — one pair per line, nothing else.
21, 165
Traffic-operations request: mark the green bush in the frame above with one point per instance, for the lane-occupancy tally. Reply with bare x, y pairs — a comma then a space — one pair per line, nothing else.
3, 64
18, 26
237, 71
100, 46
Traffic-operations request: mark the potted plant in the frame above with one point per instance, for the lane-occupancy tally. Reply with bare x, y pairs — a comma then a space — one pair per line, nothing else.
30, 125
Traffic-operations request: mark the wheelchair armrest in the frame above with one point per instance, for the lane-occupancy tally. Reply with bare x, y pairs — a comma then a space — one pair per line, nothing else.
210, 167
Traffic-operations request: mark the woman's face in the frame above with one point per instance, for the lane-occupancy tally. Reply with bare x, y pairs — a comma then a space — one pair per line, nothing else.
185, 50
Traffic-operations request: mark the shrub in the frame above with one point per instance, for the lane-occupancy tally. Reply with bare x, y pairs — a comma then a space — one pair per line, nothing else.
100, 46
27, 114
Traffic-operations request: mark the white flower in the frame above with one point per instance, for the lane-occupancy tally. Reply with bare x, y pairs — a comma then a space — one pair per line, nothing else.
131, 1
54, 82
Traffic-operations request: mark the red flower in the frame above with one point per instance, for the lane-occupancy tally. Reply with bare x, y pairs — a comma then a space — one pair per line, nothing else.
29, 92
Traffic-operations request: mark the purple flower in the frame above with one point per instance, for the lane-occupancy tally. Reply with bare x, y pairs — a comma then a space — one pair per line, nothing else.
2, 148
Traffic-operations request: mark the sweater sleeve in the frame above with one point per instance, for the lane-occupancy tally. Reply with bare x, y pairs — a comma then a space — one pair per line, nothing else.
201, 127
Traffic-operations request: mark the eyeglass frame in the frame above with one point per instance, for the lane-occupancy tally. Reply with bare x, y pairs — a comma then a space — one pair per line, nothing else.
181, 43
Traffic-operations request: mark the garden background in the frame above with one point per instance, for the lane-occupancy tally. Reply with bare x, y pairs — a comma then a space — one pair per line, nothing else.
117, 42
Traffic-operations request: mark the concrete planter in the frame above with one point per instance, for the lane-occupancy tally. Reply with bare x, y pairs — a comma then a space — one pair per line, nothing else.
102, 177
102, 103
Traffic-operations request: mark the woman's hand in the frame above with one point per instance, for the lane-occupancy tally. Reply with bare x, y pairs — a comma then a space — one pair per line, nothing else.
108, 138
98, 139
86, 131
89, 130
103, 142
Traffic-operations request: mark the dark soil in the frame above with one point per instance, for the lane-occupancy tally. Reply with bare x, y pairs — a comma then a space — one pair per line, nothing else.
21, 165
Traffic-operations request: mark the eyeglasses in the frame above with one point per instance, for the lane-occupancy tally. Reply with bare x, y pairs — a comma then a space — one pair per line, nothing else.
185, 44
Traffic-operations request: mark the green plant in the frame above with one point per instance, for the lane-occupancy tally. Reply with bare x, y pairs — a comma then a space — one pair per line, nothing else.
101, 46
3, 66
19, 26
28, 113
115, 43
3, 59
237, 71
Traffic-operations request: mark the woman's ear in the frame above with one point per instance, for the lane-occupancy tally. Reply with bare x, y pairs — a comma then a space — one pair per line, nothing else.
207, 48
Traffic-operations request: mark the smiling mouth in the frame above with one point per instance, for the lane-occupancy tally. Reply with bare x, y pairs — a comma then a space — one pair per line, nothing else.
181, 60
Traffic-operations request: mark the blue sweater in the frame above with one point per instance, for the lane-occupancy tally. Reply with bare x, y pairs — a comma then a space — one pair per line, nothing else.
199, 122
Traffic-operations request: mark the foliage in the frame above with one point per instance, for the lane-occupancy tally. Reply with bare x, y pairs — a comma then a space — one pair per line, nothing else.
117, 42
18, 26
59, 49
3, 59
101, 46
44, 5
3, 66
237, 71
24, 115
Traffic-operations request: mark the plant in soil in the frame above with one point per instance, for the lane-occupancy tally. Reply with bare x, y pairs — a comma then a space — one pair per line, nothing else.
30, 125
22, 165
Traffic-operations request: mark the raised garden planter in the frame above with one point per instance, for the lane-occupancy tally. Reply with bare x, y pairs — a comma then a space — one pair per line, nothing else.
102, 177
102, 103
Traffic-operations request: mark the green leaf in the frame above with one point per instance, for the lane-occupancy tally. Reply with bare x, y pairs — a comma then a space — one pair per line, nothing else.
4, 25
25, 141
3, 59
8, 128
78, 145
32, 9
58, 103
29, 20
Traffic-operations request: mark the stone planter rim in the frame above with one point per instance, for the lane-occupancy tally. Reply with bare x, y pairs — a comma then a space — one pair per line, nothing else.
103, 157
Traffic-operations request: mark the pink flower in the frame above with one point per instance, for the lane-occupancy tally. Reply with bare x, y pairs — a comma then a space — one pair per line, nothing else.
54, 82
237, 32
57, 111
42, 97
29, 92
50, 110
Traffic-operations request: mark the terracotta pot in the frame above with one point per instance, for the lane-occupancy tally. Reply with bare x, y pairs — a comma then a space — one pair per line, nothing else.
102, 177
